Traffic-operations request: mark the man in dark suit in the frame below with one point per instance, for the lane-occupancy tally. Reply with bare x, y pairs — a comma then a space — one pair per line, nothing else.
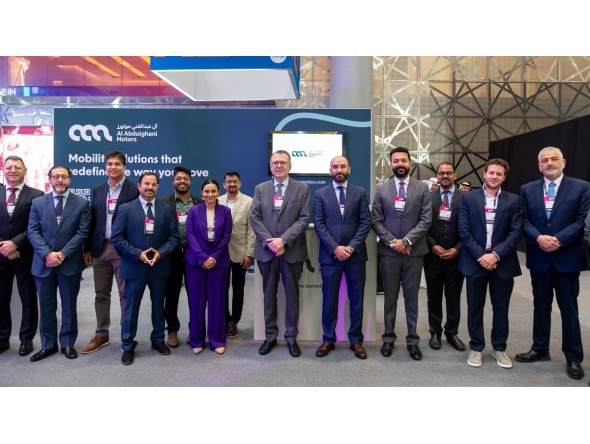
107, 197
180, 201
401, 216
58, 226
279, 216
342, 221
440, 264
490, 226
555, 209
16, 255
145, 233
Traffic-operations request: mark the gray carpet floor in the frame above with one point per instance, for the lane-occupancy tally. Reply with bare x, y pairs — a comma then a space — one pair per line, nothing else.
242, 366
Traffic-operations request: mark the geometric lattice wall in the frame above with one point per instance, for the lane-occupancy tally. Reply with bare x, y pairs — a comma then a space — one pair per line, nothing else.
450, 108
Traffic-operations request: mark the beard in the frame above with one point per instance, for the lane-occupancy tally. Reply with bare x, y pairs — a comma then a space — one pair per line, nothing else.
340, 177
396, 172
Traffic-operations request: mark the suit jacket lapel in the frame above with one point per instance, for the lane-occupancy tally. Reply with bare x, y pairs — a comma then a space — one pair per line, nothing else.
333, 201
236, 208
499, 210
409, 191
539, 197
21, 198
66, 210
560, 196
3, 210
481, 207
287, 196
50, 208
348, 199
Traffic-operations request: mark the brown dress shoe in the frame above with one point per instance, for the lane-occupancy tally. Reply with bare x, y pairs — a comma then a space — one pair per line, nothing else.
232, 330
95, 343
359, 351
173, 339
324, 349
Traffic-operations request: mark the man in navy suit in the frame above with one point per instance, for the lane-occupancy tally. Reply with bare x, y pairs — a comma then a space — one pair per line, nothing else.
58, 226
16, 255
107, 197
490, 226
342, 221
555, 209
440, 264
144, 234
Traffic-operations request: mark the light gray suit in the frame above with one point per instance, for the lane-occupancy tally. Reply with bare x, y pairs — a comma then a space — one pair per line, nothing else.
412, 223
242, 236
289, 223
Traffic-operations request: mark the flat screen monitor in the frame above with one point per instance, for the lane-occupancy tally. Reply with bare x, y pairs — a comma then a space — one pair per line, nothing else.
311, 152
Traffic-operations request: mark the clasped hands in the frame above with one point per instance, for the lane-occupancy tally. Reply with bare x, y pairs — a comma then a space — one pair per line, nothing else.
9, 250
144, 258
445, 254
488, 261
546, 243
398, 246
276, 245
342, 253
54, 259
209, 263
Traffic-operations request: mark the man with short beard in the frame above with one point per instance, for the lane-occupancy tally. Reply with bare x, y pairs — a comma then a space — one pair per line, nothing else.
401, 216
58, 226
181, 200
342, 221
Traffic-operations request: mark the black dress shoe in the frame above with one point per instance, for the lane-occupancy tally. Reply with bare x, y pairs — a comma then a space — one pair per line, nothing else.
387, 349
575, 370
294, 349
127, 358
532, 356
455, 342
25, 348
70, 352
415, 352
434, 341
5, 346
267, 346
161, 348
43, 354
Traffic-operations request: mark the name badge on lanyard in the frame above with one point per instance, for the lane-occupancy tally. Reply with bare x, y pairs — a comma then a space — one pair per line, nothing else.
400, 203
210, 234
111, 204
10, 208
181, 218
549, 201
148, 226
278, 202
341, 209
490, 215
445, 213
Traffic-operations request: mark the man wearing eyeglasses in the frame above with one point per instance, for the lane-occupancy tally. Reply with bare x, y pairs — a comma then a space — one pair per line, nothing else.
59, 224
16, 255
107, 197
279, 216
241, 247
145, 233
440, 264
181, 200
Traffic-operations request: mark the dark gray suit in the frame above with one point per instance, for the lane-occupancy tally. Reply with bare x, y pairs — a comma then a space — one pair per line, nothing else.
412, 223
289, 223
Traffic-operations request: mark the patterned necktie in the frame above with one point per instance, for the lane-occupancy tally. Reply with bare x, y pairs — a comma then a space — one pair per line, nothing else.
280, 189
150, 214
446, 199
550, 193
60, 205
402, 191
12, 197
342, 197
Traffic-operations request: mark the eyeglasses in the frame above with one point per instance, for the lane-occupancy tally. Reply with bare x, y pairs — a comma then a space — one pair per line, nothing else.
60, 176
445, 173
232, 182
279, 162
147, 184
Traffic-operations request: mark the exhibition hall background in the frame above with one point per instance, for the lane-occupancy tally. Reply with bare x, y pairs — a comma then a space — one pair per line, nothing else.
441, 108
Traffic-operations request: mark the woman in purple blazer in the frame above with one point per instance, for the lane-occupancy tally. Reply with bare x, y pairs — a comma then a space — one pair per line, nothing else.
208, 231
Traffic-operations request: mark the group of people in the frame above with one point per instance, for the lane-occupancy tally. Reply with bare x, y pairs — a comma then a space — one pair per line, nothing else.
209, 242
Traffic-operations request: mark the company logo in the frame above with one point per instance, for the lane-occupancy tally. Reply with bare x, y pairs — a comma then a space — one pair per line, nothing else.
298, 154
83, 130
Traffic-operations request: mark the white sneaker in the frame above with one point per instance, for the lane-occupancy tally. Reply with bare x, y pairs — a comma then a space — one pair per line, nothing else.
502, 359
474, 359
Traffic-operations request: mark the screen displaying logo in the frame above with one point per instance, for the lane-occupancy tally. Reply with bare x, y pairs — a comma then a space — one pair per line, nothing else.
83, 132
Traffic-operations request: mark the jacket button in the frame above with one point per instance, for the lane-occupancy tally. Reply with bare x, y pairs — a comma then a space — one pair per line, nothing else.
548, 225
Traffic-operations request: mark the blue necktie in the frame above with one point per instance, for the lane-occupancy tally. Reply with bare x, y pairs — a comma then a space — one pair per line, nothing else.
402, 191
60, 205
550, 193
341, 196
150, 213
